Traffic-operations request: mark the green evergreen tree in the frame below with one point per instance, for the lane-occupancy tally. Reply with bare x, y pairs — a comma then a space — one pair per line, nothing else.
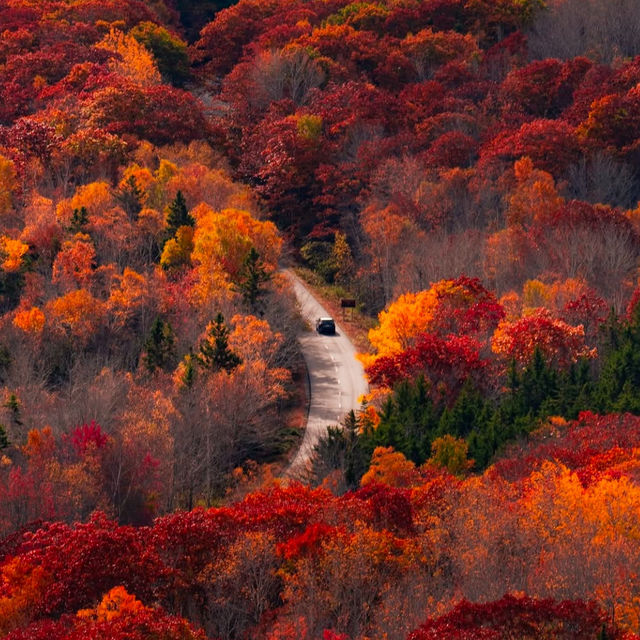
159, 346
189, 375
178, 215
5, 362
214, 353
619, 381
13, 404
253, 275
4, 441
408, 421
357, 455
575, 391
79, 220
130, 197
465, 415
343, 449
538, 384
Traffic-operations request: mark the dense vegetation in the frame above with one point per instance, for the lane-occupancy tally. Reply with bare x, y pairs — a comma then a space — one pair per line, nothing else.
467, 170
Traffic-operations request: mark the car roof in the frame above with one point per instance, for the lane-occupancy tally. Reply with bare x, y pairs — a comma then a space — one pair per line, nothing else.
325, 319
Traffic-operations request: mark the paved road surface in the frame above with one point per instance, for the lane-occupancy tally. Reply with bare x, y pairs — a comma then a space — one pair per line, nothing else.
336, 377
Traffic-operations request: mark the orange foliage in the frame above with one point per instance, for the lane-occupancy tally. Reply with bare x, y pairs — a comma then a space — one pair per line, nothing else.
535, 195
448, 306
553, 296
588, 537
429, 49
8, 184
96, 197
21, 587
129, 294
42, 230
143, 177
221, 243
75, 262
77, 312
12, 252
407, 317
214, 187
40, 443
30, 320
115, 603
506, 251
391, 468
253, 339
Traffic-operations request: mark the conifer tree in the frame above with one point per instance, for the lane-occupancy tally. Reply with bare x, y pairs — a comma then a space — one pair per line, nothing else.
79, 220
214, 353
253, 276
130, 196
178, 215
159, 346
13, 404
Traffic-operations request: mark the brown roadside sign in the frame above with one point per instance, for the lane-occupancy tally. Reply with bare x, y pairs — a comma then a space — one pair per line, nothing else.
347, 303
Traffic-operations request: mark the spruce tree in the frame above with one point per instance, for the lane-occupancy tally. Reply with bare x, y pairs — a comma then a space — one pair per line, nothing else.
189, 372
130, 196
13, 404
253, 276
159, 346
79, 220
178, 215
214, 353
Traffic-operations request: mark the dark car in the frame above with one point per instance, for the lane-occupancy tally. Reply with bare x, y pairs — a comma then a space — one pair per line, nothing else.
326, 325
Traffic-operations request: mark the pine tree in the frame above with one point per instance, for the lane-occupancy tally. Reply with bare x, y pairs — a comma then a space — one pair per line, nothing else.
130, 196
467, 414
4, 441
5, 361
189, 372
215, 353
159, 346
13, 404
178, 215
253, 276
79, 220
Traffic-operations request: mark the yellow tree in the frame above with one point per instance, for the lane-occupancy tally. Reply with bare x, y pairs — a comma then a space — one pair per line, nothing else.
131, 59
585, 539
131, 295
12, 253
222, 241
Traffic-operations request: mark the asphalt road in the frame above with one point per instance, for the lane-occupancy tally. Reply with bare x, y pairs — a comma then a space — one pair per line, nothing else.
336, 378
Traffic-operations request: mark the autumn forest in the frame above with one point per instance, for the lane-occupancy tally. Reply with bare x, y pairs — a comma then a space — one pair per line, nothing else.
467, 172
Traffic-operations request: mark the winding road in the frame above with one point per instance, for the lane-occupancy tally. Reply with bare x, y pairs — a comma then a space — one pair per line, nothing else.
336, 378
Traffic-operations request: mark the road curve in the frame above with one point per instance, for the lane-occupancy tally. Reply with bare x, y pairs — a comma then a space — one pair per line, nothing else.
336, 378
